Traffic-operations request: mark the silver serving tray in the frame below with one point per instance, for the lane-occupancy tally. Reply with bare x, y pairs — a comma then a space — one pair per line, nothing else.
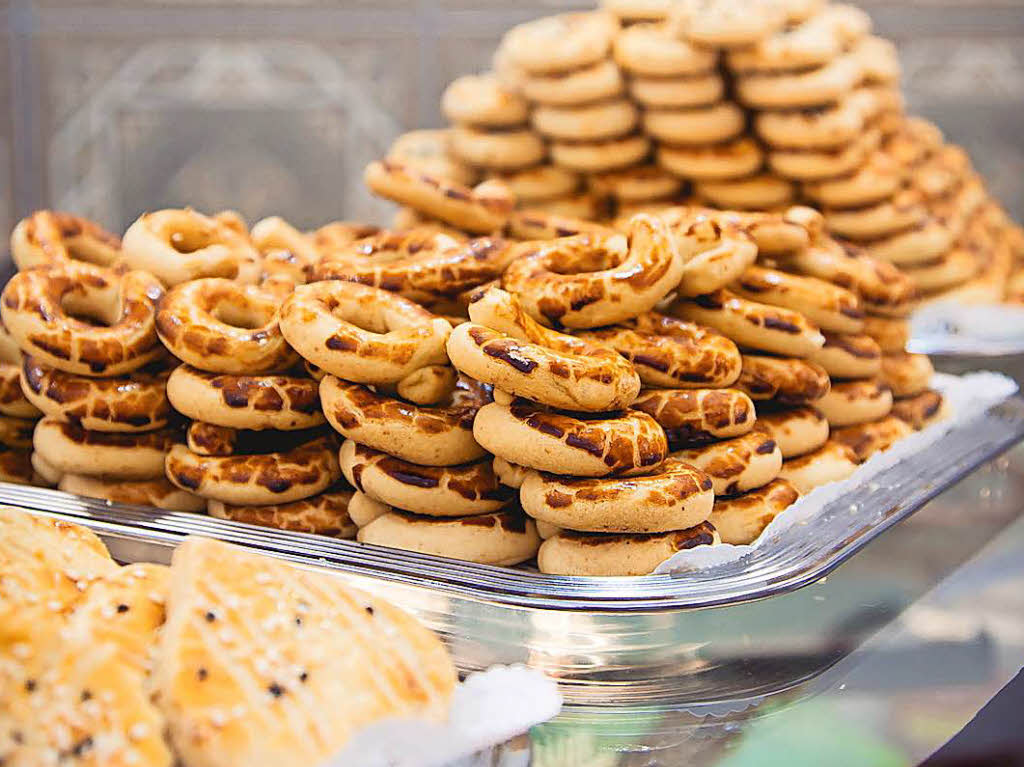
609, 640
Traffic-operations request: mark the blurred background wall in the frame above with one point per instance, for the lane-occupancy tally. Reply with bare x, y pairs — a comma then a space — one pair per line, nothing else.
112, 107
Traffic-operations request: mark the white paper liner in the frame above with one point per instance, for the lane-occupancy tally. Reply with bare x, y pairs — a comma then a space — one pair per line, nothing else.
967, 396
488, 708
978, 329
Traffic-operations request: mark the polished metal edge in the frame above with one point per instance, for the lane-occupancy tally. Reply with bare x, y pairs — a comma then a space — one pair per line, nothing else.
795, 559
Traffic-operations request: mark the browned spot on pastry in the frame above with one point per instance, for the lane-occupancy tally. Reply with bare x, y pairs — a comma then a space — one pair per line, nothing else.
775, 323
557, 500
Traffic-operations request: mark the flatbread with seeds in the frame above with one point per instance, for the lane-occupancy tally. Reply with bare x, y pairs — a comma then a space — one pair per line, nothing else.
261, 663
83, 697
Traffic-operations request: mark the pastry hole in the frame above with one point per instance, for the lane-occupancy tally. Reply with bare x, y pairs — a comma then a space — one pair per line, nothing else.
239, 316
94, 314
191, 240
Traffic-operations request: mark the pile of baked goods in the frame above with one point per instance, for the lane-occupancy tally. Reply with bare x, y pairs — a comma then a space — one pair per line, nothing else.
591, 398
736, 105
226, 657
598, 331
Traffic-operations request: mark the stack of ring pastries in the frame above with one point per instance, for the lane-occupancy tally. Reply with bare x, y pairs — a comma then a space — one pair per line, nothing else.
93, 365
591, 470
257, 447
740, 105
420, 479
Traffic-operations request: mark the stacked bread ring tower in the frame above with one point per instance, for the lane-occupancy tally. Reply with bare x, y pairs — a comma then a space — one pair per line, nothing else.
592, 471
92, 363
422, 482
747, 106
257, 448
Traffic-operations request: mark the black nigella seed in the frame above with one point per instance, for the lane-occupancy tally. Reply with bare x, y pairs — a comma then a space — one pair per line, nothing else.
81, 746
275, 689
303, 676
210, 617
122, 608
86, 695
30, 685
369, 610
201, 673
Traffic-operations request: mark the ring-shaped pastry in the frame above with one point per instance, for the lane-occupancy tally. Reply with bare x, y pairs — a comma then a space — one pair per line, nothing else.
601, 156
737, 465
420, 264
752, 324
774, 234
260, 479
586, 122
830, 307
854, 402
762, 191
679, 92
671, 353
741, 519
588, 281
715, 249
787, 380
951, 269
283, 402
817, 87
220, 326
698, 416
866, 439
845, 355
132, 403
48, 237
906, 210
891, 335
441, 435
70, 449
483, 209
157, 492
831, 462
562, 42
796, 430
585, 85
883, 289
567, 552
532, 436
815, 165
182, 245
323, 514
41, 310
921, 409
274, 234
674, 497
907, 374
503, 538
652, 50
363, 334
505, 347
437, 491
